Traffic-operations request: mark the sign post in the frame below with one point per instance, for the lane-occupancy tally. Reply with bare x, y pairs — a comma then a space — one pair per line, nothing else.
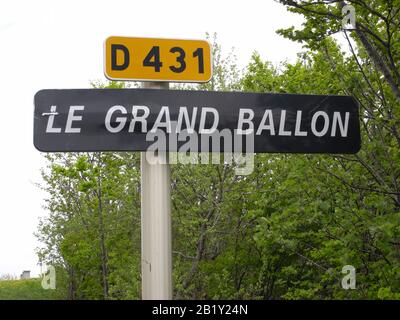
156, 221
75, 120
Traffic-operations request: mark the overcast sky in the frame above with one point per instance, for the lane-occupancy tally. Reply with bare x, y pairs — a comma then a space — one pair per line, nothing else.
59, 44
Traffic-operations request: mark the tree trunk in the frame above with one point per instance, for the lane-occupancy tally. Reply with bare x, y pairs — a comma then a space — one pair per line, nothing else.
103, 251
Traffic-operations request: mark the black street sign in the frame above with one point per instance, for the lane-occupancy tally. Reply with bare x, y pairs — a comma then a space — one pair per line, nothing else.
177, 120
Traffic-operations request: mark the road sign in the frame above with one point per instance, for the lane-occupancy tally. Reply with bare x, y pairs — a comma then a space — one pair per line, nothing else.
151, 59
172, 120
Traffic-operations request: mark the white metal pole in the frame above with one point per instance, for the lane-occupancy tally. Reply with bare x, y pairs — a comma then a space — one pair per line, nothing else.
156, 221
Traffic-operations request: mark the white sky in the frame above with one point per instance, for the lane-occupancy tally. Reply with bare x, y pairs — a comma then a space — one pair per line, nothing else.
59, 44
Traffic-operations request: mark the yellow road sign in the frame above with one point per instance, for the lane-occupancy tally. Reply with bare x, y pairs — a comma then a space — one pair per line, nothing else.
156, 59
